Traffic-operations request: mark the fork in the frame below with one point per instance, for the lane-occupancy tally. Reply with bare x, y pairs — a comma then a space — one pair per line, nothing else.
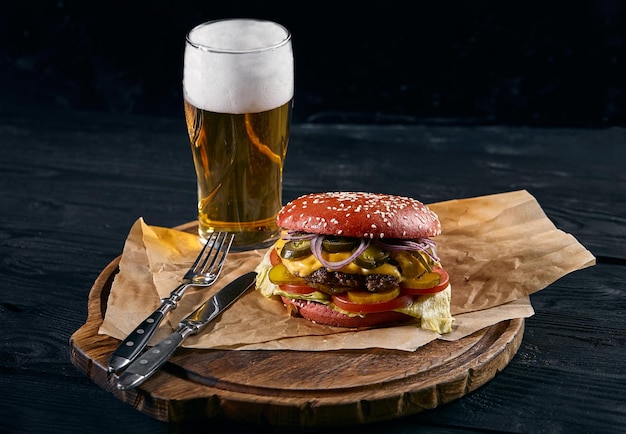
203, 273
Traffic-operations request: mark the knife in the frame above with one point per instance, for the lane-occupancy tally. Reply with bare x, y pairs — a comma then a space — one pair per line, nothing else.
137, 340
150, 361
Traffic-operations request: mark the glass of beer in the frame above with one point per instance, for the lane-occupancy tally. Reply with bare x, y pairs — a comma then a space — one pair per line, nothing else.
238, 84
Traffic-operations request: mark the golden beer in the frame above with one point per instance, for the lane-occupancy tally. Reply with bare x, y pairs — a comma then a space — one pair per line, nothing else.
238, 91
239, 163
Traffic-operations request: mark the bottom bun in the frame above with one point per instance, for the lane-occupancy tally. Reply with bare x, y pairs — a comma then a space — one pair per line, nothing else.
322, 314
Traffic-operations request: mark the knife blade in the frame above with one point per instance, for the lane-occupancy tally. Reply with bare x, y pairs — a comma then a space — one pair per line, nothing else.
149, 362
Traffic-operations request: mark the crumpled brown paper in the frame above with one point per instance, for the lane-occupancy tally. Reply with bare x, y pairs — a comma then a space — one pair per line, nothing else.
498, 250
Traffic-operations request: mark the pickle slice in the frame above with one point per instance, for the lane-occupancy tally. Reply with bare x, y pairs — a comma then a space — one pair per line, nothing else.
333, 244
424, 260
372, 257
280, 275
366, 297
295, 249
426, 280
409, 265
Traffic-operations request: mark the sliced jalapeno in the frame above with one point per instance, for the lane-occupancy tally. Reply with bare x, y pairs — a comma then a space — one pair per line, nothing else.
295, 249
333, 244
372, 257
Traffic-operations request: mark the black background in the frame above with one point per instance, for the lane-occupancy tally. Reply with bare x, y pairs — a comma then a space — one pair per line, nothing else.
473, 62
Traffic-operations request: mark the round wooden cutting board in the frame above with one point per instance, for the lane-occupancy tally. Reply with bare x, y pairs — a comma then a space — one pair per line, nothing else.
294, 388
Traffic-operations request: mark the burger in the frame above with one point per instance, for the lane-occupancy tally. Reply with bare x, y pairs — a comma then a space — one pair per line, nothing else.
354, 259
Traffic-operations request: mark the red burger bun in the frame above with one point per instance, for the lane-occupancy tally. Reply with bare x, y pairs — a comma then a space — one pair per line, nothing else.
322, 314
360, 215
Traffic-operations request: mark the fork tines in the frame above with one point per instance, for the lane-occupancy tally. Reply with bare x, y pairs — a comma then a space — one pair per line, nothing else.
212, 263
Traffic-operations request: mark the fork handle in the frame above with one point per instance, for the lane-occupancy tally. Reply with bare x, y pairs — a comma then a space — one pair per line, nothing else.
137, 340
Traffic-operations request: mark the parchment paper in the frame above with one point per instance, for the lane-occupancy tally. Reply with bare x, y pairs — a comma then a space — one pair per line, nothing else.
498, 249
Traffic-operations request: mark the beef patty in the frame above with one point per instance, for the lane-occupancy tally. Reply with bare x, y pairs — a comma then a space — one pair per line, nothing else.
335, 282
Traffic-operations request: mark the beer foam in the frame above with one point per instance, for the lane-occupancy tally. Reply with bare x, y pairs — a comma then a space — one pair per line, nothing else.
238, 66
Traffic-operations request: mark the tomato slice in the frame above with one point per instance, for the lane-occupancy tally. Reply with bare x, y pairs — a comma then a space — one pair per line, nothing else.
297, 289
443, 284
342, 301
274, 258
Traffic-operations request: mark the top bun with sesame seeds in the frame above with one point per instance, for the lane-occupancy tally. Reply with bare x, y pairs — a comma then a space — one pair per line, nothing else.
360, 215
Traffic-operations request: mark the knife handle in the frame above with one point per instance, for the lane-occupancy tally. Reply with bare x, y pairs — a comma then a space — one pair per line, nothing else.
137, 340
150, 361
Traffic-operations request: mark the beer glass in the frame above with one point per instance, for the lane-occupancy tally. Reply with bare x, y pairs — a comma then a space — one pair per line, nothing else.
238, 83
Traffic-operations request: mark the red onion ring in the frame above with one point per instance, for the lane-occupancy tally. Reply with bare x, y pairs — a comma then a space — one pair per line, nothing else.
422, 244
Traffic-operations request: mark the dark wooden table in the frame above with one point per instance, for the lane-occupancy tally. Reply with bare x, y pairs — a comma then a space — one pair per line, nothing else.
72, 184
